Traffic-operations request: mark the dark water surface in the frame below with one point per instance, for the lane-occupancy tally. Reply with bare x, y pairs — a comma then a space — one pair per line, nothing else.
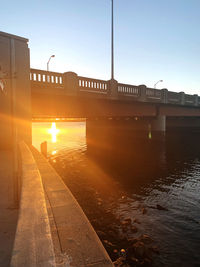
117, 176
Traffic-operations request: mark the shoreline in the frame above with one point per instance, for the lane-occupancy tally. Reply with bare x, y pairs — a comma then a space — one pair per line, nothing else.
121, 237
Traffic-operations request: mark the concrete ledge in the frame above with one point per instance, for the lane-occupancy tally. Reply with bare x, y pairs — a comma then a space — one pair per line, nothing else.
78, 242
13, 36
33, 244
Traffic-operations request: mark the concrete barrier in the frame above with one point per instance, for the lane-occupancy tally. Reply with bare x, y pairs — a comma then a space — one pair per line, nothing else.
74, 237
33, 244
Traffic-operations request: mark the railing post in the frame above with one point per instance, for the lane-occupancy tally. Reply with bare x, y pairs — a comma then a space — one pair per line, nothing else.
142, 90
182, 98
196, 100
164, 95
113, 89
70, 81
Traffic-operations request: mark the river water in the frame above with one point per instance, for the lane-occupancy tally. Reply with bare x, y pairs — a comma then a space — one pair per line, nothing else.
118, 177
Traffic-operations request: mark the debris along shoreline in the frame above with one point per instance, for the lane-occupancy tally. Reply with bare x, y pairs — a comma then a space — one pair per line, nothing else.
123, 239
124, 251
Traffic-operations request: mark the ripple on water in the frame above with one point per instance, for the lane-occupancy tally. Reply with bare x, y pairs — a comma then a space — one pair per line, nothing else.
174, 183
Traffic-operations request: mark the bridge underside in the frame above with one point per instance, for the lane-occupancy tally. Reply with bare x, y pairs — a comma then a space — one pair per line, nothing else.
64, 106
141, 119
81, 107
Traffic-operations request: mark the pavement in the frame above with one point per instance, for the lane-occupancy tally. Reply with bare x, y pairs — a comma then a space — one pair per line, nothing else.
75, 241
8, 211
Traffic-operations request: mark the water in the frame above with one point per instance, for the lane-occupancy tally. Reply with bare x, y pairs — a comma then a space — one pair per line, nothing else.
116, 176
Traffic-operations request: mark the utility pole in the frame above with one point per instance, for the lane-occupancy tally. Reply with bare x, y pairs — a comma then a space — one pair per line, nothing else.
112, 43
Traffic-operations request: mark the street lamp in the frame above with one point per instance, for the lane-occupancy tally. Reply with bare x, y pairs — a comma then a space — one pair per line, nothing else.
49, 61
112, 43
160, 81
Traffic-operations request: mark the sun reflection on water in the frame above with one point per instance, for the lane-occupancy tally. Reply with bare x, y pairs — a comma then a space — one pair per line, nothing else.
59, 136
53, 152
53, 131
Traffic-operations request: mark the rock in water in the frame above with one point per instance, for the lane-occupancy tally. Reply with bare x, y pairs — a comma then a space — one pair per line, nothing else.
144, 211
159, 207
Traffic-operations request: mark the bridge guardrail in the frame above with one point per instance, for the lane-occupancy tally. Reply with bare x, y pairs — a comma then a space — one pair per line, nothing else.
103, 87
42, 76
189, 99
173, 97
153, 94
92, 85
128, 90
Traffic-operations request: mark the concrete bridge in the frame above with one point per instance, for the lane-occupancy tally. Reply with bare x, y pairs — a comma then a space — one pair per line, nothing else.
71, 96
29, 93
52, 84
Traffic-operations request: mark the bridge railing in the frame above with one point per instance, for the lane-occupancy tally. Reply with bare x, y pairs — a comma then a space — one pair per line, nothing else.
128, 90
189, 99
153, 94
92, 85
41, 76
173, 98
70, 81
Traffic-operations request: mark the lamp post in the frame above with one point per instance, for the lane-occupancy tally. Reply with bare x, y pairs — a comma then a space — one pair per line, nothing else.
112, 43
49, 61
160, 81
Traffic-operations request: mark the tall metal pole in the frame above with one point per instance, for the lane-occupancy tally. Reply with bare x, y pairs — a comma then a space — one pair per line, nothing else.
160, 81
49, 61
112, 45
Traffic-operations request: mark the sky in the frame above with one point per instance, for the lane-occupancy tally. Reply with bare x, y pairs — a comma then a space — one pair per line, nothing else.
154, 39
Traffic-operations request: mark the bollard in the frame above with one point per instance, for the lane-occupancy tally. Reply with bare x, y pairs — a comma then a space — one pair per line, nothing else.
43, 148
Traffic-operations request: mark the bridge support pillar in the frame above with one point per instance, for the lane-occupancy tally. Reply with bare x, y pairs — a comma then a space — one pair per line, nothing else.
15, 93
15, 100
157, 128
158, 124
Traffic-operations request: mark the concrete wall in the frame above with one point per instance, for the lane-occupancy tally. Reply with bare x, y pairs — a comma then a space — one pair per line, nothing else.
15, 101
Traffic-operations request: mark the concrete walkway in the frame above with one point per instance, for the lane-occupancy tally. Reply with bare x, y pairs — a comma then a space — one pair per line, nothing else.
75, 241
8, 213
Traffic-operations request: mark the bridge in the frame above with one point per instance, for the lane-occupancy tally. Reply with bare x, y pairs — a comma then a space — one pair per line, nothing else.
69, 95
27, 94
70, 84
